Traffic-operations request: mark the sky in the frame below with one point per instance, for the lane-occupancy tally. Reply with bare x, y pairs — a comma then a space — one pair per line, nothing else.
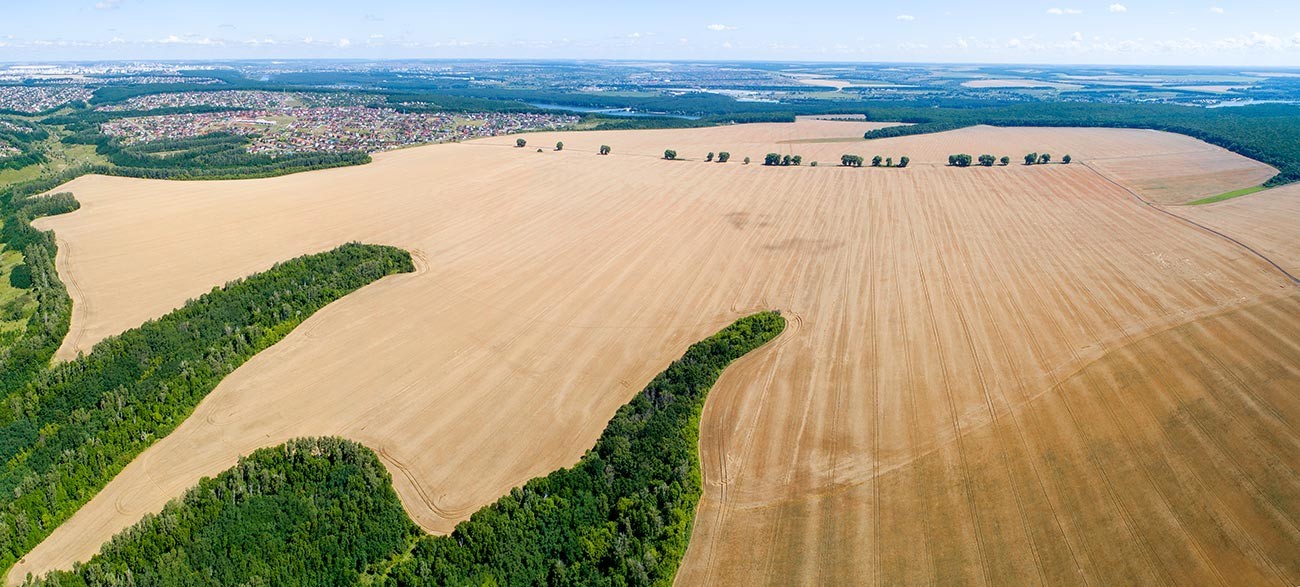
1122, 32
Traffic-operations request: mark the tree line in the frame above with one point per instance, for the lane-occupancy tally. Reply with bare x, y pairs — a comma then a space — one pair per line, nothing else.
849, 160
621, 516
22, 358
73, 426
782, 160
312, 511
986, 160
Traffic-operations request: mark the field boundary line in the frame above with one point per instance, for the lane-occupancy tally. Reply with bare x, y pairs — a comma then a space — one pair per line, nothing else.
1294, 280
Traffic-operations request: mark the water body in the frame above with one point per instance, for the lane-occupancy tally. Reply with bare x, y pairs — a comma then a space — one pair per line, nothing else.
1248, 102
610, 111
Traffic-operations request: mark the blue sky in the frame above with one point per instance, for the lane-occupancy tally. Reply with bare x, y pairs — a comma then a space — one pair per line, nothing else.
1214, 32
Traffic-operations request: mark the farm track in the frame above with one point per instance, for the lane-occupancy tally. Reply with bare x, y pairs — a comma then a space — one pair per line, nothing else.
992, 376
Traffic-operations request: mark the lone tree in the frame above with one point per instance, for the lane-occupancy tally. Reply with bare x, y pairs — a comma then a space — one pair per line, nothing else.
723, 157
796, 160
1066, 159
1005, 161
889, 161
709, 157
987, 160
1031, 158
903, 161
1044, 158
519, 143
604, 149
875, 161
962, 160
746, 160
559, 145
772, 159
670, 154
813, 164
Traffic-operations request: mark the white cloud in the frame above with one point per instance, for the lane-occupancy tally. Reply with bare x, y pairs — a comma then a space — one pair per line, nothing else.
108, 4
905, 17
726, 45
1216, 10
344, 42
720, 27
1118, 8
187, 40
1064, 11
1077, 37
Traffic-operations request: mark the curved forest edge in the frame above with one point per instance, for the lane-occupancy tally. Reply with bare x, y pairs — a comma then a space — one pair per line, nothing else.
323, 510
67, 429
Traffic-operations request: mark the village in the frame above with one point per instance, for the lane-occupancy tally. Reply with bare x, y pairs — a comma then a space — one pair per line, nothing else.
333, 128
33, 99
297, 122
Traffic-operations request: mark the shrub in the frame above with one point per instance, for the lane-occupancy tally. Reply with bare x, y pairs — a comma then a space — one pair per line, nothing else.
520, 143
904, 160
709, 157
723, 157
670, 154
559, 145
604, 149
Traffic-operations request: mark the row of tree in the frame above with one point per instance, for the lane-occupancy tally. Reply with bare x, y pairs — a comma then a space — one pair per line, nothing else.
1043, 159
877, 161
75, 425
964, 160
321, 511
782, 160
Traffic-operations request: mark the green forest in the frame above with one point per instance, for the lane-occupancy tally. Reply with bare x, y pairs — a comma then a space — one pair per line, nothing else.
71, 427
621, 516
314, 511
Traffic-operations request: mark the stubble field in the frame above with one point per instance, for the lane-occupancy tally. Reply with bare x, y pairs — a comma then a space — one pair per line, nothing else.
1005, 375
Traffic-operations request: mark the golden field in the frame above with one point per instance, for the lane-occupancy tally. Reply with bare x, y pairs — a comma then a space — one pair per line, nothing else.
992, 375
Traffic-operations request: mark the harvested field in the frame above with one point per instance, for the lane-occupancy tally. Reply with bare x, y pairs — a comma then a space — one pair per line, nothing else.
1004, 375
1178, 178
1265, 221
